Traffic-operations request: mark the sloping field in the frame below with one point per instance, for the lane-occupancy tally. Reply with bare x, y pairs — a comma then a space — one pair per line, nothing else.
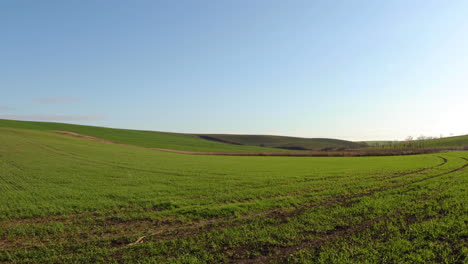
71, 200
379, 142
189, 142
294, 143
148, 139
458, 141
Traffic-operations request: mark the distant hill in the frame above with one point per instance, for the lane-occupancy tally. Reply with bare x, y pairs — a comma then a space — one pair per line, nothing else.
191, 142
291, 143
379, 142
447, 142
141, 138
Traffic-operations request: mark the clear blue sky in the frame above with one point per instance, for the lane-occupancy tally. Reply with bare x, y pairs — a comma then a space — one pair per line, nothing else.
356, 70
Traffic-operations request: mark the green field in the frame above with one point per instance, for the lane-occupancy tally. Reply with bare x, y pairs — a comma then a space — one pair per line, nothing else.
189, 142
447, 142
141, 138
294, 143
379, 142
71, 200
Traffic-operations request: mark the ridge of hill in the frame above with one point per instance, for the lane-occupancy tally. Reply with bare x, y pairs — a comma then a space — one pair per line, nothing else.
284, 142
149, 139
459, 142
190, 142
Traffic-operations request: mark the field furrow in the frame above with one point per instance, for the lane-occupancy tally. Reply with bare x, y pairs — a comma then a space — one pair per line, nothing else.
68, 199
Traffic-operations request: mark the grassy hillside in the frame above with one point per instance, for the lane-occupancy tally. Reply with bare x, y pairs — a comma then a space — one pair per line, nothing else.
71, 200
448, 142
188, 142
458, 141
283, 142
138, 137
379, 142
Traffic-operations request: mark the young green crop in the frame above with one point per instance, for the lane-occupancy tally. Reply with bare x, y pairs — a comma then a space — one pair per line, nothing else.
458, 142
286, 142
71, 200
150, 139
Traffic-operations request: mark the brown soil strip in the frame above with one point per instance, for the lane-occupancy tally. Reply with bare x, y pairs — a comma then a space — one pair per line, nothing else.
348, 153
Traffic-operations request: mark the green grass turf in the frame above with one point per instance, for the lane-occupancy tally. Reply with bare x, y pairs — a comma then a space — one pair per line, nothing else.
379, 142
447, 142
71, 200
150, 139
457, 141
285, 142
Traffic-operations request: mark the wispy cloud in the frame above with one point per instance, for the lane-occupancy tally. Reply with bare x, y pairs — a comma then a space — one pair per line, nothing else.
51, 117
54, 100
5, 108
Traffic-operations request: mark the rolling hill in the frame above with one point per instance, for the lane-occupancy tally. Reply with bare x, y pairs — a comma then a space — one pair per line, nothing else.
226, 142
189, 142
71, 200
292, 143
150, 139
457, 142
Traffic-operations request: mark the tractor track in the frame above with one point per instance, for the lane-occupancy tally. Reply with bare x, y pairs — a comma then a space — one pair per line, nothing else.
217, 223
339, 233
284, 215
172, 230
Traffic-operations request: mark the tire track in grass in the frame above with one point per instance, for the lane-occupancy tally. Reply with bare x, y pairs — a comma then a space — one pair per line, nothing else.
330, 237
181, 174
281, 214
308, 190
74, 156
444, 161
282, 252
396, 175
218, 223
201, 226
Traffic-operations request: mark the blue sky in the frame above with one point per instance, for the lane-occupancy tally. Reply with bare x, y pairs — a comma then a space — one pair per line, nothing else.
358, 70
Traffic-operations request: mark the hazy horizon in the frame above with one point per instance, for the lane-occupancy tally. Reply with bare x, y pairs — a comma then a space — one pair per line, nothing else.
360, 70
